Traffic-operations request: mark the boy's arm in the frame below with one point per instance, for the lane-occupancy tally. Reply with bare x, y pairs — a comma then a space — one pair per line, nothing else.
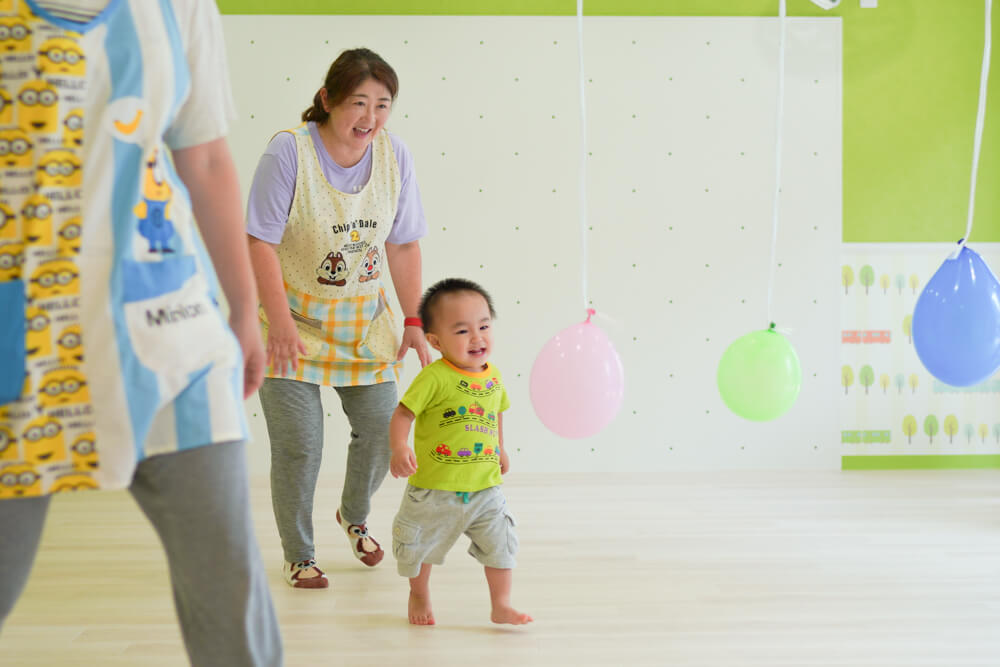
504, 459
404, 461
210, 176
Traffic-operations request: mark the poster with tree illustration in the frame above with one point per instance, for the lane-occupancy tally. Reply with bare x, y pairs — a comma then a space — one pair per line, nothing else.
891, 405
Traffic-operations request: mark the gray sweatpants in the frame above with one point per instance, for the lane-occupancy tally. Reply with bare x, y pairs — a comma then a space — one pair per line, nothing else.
294, 415
199, 503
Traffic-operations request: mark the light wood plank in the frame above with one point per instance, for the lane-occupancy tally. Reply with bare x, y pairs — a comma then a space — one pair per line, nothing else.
727, 569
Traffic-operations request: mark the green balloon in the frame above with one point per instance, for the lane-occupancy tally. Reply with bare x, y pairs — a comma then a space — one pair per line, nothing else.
759, 376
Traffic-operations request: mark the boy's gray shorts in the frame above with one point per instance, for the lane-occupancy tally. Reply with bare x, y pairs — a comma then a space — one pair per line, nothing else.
430, 521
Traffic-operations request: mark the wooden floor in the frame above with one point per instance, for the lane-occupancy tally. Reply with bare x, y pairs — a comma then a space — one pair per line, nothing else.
730, 569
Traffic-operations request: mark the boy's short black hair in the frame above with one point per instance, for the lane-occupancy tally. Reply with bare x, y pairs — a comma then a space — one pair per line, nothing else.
444, 287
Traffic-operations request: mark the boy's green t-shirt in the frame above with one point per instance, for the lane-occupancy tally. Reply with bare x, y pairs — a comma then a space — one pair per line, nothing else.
456, 438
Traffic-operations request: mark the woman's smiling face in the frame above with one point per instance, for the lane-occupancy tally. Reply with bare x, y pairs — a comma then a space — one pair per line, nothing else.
355, 121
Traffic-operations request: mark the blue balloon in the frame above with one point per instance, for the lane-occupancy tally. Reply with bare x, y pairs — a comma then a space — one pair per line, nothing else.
956, 322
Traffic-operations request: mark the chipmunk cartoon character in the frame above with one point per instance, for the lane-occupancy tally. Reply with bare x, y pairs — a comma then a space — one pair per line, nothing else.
333, 270
370, 265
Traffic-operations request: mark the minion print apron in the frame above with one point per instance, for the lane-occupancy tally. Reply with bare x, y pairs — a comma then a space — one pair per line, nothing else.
122, 352
332, 258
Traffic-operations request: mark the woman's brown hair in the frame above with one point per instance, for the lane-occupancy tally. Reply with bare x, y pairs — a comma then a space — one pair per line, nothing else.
351, 69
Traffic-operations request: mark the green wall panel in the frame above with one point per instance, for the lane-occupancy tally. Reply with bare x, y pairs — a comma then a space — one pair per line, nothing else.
942, 462
911, 79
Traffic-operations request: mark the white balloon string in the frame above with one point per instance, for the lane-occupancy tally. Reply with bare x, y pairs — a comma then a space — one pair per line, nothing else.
980, 120
583, 158
779, 122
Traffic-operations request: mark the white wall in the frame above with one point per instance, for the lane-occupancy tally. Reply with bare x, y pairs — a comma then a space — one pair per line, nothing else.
681, 126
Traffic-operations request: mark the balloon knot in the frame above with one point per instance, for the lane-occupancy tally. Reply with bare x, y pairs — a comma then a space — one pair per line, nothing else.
590, 313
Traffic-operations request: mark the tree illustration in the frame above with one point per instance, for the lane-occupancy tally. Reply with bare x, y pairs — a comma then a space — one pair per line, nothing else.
914, 381
951, 427
970, 431
846, 277
900, 282
866, 377
884, 382
914, 283
931, 427
900, 382
984, 431
846, 377
885, 282
909, 428
866, 276
908, 328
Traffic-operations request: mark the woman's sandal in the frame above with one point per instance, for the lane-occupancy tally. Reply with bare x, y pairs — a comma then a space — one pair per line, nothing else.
293, 573
364, 546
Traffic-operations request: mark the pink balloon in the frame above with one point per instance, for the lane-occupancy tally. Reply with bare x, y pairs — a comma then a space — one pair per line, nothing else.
577, 383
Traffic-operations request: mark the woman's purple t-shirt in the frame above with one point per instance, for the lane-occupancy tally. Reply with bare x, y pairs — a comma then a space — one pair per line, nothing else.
274, 187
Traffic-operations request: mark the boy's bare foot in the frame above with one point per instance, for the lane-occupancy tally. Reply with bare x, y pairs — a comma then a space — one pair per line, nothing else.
509, 615
420, 610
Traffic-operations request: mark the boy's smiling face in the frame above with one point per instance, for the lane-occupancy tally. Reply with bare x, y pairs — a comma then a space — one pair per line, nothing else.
463, 330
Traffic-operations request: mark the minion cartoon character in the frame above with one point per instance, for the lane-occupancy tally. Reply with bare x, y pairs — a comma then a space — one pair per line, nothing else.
19, 480
73, 481
38, 108
63, 386
38, 340
8, 445
154, 209
60, 55
11, 260
36, 220
15, 34
60, 168
16, 149
43, 441
8, 224
69, 237
70, 344
6, 108
54, 277
73, 129
84, 453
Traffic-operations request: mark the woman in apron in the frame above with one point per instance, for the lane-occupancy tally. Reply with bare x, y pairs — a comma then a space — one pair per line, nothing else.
333, 202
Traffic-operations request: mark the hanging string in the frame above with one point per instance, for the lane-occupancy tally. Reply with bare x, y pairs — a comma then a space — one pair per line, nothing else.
980, 121
777, 157
583, 159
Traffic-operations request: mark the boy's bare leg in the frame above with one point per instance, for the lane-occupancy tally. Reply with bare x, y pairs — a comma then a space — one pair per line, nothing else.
420, 597
500, 583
